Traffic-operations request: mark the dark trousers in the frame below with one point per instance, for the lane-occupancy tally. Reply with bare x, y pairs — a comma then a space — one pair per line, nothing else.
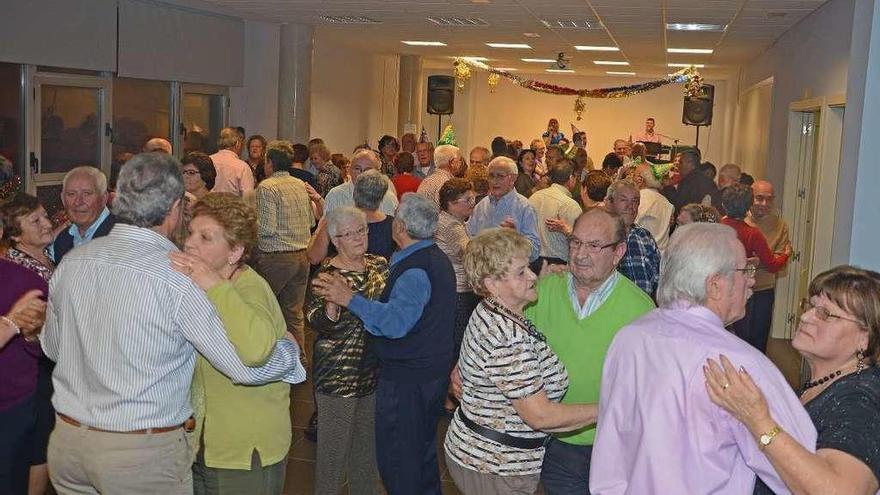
754, 328
566, 468
406, 433
17, 425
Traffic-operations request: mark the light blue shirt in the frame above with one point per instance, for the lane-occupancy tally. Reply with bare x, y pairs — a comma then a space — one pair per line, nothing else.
409, 296
79, 240
490, 212
595, 299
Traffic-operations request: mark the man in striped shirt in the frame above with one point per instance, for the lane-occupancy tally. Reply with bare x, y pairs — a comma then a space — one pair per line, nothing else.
124, 328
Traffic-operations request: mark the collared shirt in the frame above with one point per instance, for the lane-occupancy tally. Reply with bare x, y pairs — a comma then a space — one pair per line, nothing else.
658, 431
78, 239
431, 184
343, 195
775, 230
233, 174
124, 328
425, 171
595, 299
452, 238
409, 296
490, 212
641, 263
284, 214
647, 138
655, 214
554, 202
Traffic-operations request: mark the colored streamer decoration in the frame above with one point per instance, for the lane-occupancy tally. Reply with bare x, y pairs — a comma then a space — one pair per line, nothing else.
689, 76
493, 82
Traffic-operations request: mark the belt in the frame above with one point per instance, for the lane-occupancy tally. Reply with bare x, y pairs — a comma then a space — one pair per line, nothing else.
188, 425
502, 438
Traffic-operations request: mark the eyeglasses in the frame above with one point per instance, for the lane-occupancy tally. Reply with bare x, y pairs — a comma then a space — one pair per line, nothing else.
349, 235
748, 271
592, 247
823, 314
190, 172
466, 200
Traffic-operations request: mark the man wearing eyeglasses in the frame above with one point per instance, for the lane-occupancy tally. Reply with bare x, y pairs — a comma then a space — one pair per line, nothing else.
580, 310
641, 263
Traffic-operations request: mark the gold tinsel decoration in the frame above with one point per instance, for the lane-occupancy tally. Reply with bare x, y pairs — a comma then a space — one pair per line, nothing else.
462, 74
579, 107
493, 81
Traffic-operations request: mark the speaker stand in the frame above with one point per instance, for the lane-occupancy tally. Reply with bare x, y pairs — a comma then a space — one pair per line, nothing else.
698, 138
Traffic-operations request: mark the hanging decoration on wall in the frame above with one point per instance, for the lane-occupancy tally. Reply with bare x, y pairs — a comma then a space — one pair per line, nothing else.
9, 188
493, 82
688, 76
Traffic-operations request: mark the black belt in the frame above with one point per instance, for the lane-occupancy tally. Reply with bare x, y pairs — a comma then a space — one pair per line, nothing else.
502, 438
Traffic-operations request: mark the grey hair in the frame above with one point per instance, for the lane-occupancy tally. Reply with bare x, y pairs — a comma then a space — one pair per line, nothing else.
696, 252
94, 173
444, 154
618, 185
158, 144
339, 216
147, 188
730, 171
419, 214
503, 161
368, 155
369, 189
650, 180
229, 138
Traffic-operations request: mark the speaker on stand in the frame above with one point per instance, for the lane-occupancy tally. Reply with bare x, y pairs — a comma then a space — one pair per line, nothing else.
441, 97
697, 110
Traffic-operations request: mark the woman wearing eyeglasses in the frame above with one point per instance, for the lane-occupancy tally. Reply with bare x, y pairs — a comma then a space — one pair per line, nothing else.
839, 336
199, 173
344, 370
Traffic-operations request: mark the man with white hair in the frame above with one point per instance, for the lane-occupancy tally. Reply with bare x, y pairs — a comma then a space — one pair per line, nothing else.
641, 263
658, 431
504, 207
448, 162
655, 211
158, 144
233, 174
84, 195
729, 175
343, 194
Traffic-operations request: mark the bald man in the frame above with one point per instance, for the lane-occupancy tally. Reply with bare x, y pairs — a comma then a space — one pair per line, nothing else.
158, 144
766, 218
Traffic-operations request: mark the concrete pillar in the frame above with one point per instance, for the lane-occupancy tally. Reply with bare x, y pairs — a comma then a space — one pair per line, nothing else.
295, 82
409, 108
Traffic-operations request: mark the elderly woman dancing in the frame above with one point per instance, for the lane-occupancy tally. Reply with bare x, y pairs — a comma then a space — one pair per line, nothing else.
345, 371
512, 381
839, 336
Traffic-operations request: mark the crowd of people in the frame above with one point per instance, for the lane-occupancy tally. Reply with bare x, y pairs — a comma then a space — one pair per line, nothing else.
549, 308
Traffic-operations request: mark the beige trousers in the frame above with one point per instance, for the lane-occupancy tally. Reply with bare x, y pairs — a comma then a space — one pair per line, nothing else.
288, 275
82, 461
470, 482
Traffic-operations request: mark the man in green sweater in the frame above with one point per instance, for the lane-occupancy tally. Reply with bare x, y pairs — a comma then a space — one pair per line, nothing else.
580, 311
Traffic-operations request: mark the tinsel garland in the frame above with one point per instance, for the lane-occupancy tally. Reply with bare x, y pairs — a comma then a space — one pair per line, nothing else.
9, 188
689, 76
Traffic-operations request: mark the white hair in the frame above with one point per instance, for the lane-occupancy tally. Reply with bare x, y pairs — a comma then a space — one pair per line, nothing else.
419, 214
730, 171
342, 215
503, 161
617, 185
366, 155
696, 252
444, 154
92, 172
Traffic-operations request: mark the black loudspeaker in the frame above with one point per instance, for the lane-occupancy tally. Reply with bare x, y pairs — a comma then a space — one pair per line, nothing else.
441, 95
697, 110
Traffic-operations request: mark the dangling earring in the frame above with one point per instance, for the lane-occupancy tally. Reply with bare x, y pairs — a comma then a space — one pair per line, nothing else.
860, 361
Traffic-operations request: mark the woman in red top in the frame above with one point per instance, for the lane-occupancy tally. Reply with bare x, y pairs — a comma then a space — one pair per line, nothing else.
737, 200
405, 181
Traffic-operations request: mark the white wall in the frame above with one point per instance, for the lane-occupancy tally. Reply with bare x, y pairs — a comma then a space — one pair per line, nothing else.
254, 106
518, 113
751, 132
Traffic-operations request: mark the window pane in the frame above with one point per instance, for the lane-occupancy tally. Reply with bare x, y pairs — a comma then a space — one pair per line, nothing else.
141, 110
50, 198
70, 128
11, 149
203, 120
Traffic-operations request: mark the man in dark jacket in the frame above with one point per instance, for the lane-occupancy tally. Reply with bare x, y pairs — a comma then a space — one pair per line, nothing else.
694, 186
84, 195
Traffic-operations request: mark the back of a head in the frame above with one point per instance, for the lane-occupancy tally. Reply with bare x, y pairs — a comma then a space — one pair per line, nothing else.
730, 172
616, 224
315, 141
695, 252
597, 183
280, 152
737, 199
444, 154
689, 161
229, 138
561, 172
419, 214
708, 169
147, 188
93, 173
405, 162
504, 162
158, 144
300, 153
369, 189
499, 146
612, 162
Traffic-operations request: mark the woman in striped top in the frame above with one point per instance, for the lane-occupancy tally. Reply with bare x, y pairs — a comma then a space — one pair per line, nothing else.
511, 381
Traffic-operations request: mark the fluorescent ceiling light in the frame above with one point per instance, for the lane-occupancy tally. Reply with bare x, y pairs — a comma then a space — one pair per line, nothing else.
610, 62
615, 73
564, 71
476, 59
531, 35
586, 48
695, 27
689, 50
506, 69
698, 66
509, 45
539, 60
424, 43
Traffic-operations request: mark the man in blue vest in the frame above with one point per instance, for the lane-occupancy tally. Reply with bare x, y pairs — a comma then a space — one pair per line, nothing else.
84, 195
412, 327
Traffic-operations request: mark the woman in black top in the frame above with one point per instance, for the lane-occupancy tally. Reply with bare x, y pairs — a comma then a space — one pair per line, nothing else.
839, 336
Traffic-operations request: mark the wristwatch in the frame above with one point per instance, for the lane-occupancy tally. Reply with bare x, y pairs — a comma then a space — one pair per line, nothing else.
767, 438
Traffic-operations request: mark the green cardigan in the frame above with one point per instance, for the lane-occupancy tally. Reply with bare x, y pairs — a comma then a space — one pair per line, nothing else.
236, 419
582, 344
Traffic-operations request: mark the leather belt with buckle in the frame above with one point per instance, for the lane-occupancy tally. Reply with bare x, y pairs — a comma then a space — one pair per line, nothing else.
189, 425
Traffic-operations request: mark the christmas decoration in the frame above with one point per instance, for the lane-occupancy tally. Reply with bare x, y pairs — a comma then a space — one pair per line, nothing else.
579, 107
660, 170
462, 73
493, 82
9, 188
448, 136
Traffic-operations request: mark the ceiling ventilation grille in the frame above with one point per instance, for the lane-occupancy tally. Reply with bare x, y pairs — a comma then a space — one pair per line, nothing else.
569, 24
458, 21
348, 19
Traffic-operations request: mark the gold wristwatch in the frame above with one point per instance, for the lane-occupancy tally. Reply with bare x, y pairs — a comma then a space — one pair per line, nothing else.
767, 438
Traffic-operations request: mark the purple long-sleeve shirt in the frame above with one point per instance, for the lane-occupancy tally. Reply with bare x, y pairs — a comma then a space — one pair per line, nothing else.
658, 432
18, 359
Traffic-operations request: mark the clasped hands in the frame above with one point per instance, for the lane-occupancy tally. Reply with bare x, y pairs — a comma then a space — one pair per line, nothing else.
29, 314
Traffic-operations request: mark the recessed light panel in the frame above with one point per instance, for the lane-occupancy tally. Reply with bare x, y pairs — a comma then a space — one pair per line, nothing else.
615, 73
561, 71
539, 60
424, 43
695, 27
569, 24
509, 45
690, 50
506, 69
348, 19
698, 66
458, 21
476, 59
587, 48
610, 62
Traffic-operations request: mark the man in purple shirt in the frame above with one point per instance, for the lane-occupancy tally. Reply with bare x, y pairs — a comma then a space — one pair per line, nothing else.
658, 432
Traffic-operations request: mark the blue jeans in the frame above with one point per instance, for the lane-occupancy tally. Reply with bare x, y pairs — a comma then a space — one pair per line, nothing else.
566, 468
